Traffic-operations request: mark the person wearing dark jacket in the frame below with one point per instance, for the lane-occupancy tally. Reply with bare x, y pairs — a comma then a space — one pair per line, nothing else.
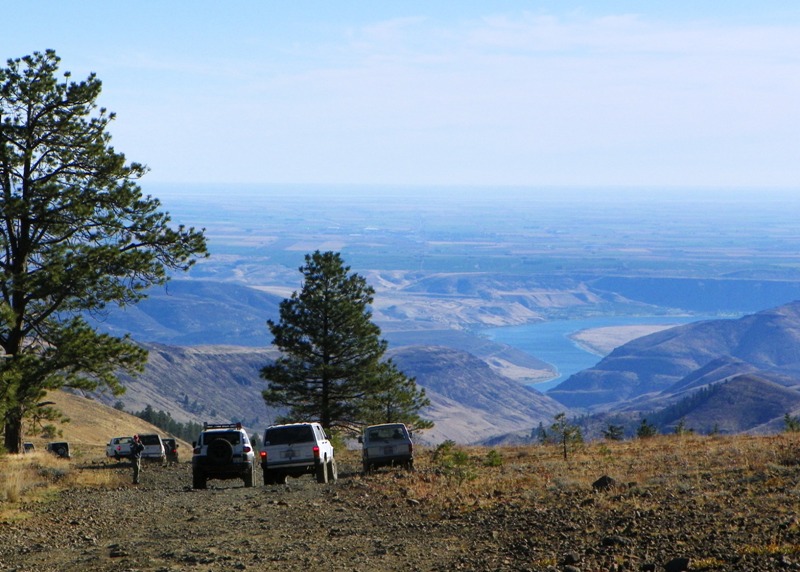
136, 458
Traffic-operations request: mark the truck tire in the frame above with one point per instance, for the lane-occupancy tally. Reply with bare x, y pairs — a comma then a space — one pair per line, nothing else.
333, 471
220, 451
198, 481
322, 472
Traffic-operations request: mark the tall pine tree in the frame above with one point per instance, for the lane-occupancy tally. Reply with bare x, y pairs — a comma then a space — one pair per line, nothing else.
76, 235
331, 367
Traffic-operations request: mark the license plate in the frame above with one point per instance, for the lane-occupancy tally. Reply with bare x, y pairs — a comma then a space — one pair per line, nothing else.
287, 454
388, 450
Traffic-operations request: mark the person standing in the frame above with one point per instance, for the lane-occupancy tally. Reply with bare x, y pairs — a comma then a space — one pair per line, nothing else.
136, 458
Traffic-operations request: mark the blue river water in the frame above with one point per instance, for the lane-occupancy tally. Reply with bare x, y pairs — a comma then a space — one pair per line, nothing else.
550, 342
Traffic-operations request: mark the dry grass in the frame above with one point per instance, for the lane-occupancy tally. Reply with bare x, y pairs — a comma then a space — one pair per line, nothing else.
482, 477
37, 477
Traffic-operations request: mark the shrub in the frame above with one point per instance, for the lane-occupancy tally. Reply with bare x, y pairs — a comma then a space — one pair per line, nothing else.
493, 459
452, 462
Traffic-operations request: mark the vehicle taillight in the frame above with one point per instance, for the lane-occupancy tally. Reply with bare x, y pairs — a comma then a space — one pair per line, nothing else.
263, 455
247, 449
316, 452
196, 451
410, 448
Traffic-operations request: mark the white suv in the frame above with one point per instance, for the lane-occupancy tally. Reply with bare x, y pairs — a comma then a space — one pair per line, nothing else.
297, 449
222, 451
153, 448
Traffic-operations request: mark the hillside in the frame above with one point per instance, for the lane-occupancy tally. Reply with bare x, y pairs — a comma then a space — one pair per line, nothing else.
470, 400
668, 503
91, 424
188, 312
757, 357
468, 395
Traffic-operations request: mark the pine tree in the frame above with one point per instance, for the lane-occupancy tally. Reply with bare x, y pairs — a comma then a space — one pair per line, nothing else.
331, 367
76, 235
646, 430
396, 400
567, 434
614, 432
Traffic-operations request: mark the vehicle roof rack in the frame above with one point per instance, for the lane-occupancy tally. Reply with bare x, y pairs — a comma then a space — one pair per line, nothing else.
207, 425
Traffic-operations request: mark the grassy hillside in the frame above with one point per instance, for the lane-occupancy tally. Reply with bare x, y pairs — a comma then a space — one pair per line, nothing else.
677, 502
91, 424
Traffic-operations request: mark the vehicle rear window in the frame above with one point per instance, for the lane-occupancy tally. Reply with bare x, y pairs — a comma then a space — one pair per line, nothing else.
232, 437
386, 434
288, 435
149, 439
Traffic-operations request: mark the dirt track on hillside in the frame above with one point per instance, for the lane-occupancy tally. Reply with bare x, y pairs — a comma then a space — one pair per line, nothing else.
163, 524
732, 522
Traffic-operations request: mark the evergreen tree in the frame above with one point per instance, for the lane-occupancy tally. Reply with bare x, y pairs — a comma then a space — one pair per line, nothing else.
331, 367
76, 235
565, 433
646, 430
614, 432
791, 424
396, 399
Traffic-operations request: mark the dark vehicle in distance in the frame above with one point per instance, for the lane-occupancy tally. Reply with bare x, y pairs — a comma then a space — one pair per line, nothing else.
384, 445
171, 449
59, 449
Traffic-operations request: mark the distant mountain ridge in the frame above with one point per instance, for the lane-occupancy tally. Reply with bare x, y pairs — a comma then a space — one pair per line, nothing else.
213, 335
757, 357
222, 383
197, 312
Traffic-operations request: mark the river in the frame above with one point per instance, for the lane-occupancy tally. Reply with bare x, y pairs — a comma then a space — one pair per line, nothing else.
550, 341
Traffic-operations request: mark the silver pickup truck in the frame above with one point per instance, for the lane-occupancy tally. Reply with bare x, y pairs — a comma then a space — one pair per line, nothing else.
119, 448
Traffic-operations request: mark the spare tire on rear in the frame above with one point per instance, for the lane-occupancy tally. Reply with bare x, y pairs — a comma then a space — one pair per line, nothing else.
220, 451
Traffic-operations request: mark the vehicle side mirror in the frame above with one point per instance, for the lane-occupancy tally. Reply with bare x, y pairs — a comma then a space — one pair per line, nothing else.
194, 444
360, 439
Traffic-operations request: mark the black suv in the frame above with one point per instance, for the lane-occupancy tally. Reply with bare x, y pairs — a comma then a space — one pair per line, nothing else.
171, 449
222, 451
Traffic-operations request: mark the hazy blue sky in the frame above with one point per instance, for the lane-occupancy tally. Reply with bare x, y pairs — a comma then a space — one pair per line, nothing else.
592, 93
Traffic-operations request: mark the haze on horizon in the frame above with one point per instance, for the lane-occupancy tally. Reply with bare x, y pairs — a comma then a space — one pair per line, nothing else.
529, 94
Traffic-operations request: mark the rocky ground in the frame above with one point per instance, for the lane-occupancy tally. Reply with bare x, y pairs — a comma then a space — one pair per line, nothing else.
527, 512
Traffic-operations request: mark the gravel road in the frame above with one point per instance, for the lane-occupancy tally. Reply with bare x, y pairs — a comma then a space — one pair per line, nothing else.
730, 520
163, 524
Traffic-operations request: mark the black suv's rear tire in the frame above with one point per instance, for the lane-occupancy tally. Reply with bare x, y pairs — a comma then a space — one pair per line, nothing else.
322, 472
198, 481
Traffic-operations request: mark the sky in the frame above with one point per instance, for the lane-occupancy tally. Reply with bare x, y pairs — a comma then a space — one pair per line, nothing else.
503, 93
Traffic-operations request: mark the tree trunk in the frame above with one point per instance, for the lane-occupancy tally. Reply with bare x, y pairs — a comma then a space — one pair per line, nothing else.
13, 430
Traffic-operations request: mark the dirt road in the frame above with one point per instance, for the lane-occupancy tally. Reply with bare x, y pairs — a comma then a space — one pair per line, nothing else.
164, 524
711, 504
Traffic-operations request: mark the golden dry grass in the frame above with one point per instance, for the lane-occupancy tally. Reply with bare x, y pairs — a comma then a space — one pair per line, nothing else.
525, 473
37, 476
